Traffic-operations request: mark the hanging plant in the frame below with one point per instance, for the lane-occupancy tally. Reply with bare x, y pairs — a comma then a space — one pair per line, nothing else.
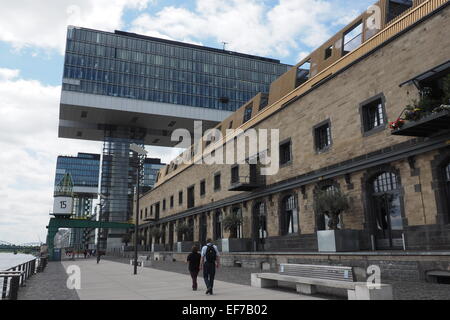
397, 124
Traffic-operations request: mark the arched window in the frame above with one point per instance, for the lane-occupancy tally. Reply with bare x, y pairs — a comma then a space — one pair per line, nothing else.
387, 210
260, 220
447, 180
289, 216
218, 230
238, 212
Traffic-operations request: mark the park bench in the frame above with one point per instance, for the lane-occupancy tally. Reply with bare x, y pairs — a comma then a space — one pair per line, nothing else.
308, 277
141, 261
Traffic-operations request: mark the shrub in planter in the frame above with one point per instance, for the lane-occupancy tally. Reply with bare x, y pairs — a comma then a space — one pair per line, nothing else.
331, 204
184, 230
126, 238
231, 222
156, 233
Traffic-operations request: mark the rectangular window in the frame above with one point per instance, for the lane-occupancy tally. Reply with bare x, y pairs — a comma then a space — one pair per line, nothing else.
191, 197
328, 52
180, 197
303, 73
285, 152
352, 38
322, 136
164, 204
235, 174
171, 201
202, 187
217, 181
248, 112
373, 115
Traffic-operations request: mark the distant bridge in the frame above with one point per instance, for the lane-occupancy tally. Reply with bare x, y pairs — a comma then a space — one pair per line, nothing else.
7, 246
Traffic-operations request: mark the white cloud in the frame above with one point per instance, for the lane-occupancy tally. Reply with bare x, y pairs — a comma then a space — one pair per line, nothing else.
42, 24
29, 142
249, 25
7, 74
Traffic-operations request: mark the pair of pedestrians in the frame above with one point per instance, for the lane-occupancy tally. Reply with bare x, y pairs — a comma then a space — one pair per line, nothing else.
208, 260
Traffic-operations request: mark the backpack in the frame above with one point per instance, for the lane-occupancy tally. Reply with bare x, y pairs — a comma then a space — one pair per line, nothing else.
210, 253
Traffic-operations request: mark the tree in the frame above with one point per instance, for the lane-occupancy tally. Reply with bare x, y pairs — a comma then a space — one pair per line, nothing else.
184, 230
156, 233
331, 203
126, 238
231, 222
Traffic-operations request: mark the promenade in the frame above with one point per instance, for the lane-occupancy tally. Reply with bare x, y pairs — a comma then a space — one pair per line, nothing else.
110, 280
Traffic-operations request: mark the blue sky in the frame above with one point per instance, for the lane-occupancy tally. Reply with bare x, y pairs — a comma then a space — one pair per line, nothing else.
32, 41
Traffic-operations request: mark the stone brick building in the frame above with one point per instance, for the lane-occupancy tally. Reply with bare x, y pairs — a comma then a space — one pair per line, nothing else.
333, 111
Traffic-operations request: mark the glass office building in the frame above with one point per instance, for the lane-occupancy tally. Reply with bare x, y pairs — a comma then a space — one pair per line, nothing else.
84, 170
132, 66
123, 88
151, 169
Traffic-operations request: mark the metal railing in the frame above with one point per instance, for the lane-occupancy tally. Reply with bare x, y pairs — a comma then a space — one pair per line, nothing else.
14, 278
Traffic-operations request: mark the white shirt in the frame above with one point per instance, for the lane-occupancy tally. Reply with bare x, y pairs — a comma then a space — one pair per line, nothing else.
203, 253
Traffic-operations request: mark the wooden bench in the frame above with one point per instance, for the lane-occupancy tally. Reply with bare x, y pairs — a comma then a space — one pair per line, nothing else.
308, 277
142, 261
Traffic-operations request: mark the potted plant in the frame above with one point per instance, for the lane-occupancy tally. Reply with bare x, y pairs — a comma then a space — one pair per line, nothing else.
231, 223
156, 233
332, 204
126, 238
397, 124
186, 232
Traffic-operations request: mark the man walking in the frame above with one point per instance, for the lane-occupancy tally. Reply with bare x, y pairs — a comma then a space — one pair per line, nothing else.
209, 261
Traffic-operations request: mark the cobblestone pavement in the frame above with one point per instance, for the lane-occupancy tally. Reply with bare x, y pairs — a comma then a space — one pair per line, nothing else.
48, 285
402, 290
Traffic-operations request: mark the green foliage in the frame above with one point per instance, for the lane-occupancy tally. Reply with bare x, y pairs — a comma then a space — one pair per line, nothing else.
331, 204
156, 232
126, 238
231, 222
184, 229
446, 90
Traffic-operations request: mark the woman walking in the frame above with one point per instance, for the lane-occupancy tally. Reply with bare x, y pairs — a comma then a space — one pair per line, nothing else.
194, 266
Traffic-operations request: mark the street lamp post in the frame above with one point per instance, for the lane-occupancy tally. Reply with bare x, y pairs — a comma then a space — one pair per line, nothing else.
140, 152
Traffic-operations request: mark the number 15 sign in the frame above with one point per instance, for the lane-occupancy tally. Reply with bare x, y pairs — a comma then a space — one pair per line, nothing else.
62, 206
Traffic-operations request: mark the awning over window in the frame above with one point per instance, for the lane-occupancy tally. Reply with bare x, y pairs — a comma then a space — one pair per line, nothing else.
428, 74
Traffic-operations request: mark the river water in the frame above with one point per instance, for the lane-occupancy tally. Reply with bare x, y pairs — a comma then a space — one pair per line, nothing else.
10, 260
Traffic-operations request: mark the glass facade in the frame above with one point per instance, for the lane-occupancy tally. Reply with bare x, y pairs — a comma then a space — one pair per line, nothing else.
151, 169
84, 169
144, 68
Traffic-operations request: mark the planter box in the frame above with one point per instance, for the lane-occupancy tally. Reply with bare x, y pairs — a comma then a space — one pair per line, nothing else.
158, 247
184, 246
236, 245
338, 240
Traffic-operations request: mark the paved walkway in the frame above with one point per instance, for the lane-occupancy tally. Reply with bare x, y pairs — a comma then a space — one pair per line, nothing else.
115, 281
48, 285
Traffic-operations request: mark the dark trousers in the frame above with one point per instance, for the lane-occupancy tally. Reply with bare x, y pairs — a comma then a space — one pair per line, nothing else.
209, 271
194, 274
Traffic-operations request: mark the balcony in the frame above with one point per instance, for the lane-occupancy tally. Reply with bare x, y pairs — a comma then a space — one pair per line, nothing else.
247, 183
430, 125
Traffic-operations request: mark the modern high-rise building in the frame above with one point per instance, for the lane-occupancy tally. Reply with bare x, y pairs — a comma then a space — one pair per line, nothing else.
84, 170
151, 169
123, 88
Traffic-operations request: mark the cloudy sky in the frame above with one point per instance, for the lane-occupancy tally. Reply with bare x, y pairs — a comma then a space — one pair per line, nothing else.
32, 41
